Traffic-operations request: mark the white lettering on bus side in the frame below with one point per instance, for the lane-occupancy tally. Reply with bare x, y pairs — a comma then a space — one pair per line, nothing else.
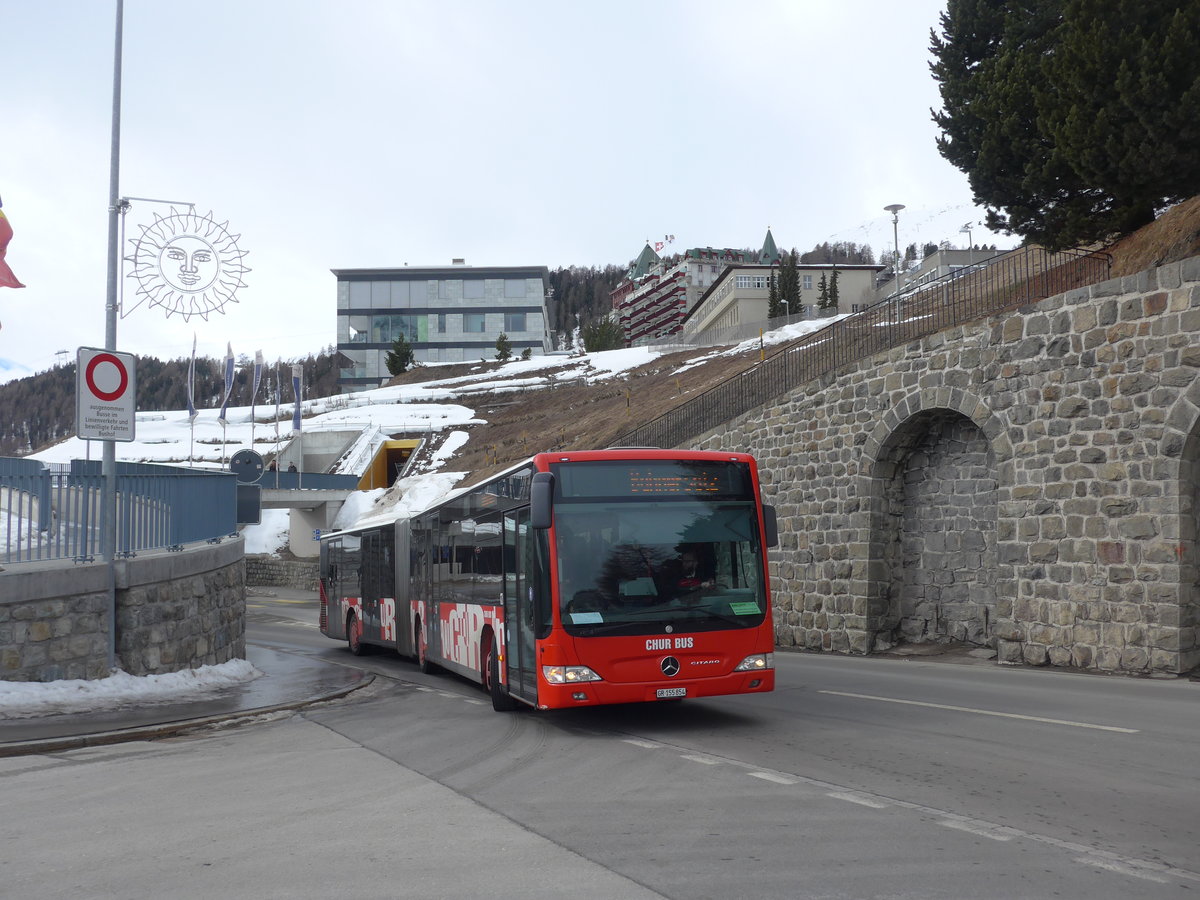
387, 618
462, 628
348, 604
679, 643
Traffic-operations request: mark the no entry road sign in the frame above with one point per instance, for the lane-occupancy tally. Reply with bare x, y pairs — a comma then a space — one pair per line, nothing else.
105, 395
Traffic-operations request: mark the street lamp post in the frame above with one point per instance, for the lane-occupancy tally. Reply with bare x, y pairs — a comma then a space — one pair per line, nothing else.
966, 229
894, 209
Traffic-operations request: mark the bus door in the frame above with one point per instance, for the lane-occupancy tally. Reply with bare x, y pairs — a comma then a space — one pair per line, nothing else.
404, 635
379, 585
519, 599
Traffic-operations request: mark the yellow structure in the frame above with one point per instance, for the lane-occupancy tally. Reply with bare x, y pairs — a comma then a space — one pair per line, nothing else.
389, 461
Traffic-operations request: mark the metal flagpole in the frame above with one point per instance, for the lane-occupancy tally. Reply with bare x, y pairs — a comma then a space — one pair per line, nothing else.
108, 465
278, 396
258, 360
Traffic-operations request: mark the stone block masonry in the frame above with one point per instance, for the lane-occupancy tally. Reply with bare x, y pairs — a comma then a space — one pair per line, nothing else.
174, 611
267, 571
1029, 482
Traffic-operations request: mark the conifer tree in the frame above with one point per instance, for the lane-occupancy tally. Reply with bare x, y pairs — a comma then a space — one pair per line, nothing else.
400, 358
603, 334
1074, 120
788, 291
503, 348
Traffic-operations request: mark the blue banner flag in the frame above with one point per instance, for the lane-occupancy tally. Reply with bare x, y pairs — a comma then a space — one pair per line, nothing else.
297, 371
258, 366
228, 383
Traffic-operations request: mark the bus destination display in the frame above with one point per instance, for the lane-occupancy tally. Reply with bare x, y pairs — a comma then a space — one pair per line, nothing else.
654, 481
717, 480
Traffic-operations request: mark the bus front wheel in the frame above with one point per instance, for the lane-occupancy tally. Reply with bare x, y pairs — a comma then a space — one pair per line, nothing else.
501, 701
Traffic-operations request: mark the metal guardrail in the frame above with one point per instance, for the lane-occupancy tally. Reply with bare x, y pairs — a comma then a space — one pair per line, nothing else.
308, 481
53, 511
1002, 283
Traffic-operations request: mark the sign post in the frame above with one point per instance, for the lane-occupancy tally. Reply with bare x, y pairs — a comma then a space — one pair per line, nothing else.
105, 395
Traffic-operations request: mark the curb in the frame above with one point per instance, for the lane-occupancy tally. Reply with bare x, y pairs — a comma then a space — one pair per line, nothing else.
168, 729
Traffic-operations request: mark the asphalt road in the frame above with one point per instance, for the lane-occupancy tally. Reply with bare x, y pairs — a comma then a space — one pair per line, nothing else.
856, 778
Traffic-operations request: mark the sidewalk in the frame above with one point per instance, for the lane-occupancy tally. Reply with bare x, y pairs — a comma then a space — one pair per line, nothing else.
288, 682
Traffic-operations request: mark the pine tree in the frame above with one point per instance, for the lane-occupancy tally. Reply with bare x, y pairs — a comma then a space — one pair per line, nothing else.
787, 289
823, 293
833, 291
1074, 120
401, 356
603, 334
503, 348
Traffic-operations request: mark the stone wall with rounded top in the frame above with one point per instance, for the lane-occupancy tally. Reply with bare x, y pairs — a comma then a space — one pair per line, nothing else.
174, 610
1029, 482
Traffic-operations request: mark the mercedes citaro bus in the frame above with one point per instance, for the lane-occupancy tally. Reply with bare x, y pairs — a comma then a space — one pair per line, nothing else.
572, 579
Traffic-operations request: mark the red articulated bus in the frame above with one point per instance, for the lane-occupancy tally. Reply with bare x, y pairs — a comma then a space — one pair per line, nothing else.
573, 579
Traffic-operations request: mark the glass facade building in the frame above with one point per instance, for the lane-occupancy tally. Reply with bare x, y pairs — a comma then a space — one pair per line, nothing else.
451, 314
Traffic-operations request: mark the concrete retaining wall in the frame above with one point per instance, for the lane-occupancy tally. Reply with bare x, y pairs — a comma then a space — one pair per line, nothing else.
174, 611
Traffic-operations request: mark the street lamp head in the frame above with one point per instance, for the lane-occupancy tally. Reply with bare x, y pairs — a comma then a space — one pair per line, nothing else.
894, 208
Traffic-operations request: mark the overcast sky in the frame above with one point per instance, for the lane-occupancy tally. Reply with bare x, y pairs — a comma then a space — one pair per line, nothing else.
362, 133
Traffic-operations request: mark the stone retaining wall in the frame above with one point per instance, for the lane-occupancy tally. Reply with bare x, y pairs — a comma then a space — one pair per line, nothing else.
269, 571
174, 611
1029, 482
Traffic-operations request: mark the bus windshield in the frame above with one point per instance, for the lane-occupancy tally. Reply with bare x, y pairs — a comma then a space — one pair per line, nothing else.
645, 567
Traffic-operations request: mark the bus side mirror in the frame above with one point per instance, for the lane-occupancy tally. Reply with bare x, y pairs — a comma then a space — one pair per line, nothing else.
770, 526
541, 500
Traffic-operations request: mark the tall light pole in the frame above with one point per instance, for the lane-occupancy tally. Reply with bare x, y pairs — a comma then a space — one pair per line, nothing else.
894, 209
966, 229
108, 462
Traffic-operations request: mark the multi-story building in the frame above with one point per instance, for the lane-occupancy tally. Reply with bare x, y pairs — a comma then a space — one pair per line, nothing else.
942, 262
657, 294
741, 294
450, 314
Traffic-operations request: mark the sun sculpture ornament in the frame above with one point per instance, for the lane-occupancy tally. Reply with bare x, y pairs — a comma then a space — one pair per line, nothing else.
187, 264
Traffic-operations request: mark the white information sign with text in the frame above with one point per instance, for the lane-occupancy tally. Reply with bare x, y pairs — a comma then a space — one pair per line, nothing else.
105, 392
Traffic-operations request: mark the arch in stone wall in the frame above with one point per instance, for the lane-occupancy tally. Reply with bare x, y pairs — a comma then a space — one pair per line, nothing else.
1180, 450
931, 474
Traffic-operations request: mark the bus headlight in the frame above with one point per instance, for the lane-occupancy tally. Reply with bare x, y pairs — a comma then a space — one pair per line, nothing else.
568, 674
756, 662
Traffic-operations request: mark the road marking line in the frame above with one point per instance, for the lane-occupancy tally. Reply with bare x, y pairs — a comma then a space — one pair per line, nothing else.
996, 833
707, 760
1120, 868
860, 799
772, 776
985, 712
1081, 853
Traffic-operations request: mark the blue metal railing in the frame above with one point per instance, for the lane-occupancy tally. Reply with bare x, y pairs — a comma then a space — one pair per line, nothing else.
53, 511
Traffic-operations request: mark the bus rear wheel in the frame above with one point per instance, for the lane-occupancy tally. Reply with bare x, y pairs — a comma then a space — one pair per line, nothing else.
501, 700
354, 635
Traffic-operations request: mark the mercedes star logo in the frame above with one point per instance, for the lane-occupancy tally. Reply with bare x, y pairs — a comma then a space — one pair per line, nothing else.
670, 666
